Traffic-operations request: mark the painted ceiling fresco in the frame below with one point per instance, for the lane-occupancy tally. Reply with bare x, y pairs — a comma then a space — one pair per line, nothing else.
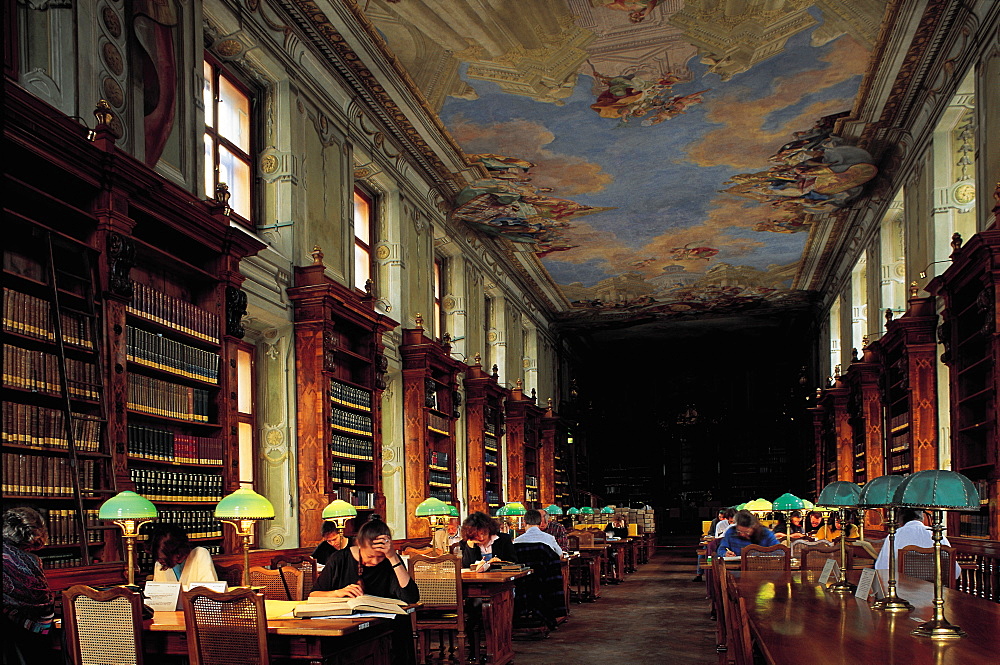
662, 158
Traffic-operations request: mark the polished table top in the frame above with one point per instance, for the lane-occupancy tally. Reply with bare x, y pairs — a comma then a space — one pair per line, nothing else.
493, 577
796, 620
173, 622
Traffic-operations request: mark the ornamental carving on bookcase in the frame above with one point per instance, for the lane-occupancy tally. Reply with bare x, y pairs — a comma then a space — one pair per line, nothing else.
329, 351
121, 255
456, 402
944, 338
430, 393
236, 309
381, 369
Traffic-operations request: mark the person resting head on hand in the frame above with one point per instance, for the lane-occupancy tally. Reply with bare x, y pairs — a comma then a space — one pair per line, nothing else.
482, 540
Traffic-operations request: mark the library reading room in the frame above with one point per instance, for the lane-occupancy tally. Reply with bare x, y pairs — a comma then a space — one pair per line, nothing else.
475, 332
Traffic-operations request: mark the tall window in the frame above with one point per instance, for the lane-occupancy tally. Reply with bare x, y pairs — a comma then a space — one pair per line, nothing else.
488, 358
362, 238
228, 139
439, 322
245, 413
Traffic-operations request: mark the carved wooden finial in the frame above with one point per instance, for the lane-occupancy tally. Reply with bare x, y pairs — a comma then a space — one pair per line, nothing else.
956, 241
836, 371
819, 393
518, 384
550, 404
532, 393
103, 114
369, 287
913, 289
888, 314
496, 371
479, 359
854, 354
446, 339
317, 255
419, 320
864, 341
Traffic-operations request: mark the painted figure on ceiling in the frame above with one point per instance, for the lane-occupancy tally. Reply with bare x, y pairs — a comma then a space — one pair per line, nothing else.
628, 95
154, 25
687, 253
637, 10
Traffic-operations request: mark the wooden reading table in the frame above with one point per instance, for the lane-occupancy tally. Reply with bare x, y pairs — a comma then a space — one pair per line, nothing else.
795, 620
496, 590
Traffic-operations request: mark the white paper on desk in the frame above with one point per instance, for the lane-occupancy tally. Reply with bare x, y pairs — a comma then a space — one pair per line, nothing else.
365, 615
830, 569
162, 596
220, 587
865, 584
877, 586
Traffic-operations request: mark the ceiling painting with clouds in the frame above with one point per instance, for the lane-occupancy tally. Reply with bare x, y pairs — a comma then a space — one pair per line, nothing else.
662, 158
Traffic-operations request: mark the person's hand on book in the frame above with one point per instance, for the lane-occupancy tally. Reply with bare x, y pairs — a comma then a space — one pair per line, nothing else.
349, 591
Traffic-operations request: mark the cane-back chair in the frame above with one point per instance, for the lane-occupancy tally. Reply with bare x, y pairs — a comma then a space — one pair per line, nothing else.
303, 562
918, 562
739, 647
756, 557
815, 557
442, 607
225, 628
283, 583
861, 554
103, 627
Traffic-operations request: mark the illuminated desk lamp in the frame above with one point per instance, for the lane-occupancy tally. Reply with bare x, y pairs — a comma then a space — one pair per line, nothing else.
574, 515
937, 490
128, 510
510, 514
552, 510
438, 514
842, 495
879, 493
339, 512
784, 504
242, 509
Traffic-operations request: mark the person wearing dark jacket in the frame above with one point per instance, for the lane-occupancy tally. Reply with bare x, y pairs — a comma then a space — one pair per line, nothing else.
28, 605
333, 541
481, 536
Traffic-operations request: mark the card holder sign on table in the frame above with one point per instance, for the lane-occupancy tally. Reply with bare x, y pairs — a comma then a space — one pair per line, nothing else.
865, 584
830, 570
165, 596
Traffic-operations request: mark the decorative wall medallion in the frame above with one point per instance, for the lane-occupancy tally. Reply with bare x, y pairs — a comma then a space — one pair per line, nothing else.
526, 363
113, 92
388, 454
229, 48
448, 303
112, 22
492, 337
113, 58
269, 164
382, 252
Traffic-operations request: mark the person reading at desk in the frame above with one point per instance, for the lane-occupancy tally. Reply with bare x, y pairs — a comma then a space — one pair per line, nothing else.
333, 541
835, 527
617, 527
482, 540
793, 529
175, 559
746, 531
373, 566
814, 522
534, 534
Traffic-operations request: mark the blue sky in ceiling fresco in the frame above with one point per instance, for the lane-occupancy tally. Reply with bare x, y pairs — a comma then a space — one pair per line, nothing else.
663, 180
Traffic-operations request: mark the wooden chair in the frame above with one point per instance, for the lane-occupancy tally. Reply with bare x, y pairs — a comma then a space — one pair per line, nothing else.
102, 626
231, 575
739, 647
439, 579
225, 628
578, 539
303, 562
720, 587
815, 557
799, 543
283, 583
775, 557
918, 562
861, 554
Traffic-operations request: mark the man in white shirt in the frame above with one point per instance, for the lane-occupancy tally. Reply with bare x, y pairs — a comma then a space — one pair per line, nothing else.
725, 523
534, 533
912, 532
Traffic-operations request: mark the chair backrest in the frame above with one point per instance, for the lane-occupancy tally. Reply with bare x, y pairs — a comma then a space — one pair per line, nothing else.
798, 544
439, 579
283, 583
103, 627
232, 575
583, 539
225, 628
756, 557
816, 556
303, 562
738, 642
720, 588
542, 591
861, 554
599, 537
918, 562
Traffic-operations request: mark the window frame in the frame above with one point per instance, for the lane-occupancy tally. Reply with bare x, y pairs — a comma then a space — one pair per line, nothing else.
362, 245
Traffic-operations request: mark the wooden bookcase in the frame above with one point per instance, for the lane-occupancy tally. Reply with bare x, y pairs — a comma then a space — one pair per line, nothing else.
561, 433
970, 333
484, 422
156, 272
834, 441
909, 387
431, 404
524, 423
864, 411
340, 375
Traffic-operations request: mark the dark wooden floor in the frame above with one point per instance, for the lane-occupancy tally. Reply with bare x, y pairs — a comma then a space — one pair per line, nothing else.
658, 615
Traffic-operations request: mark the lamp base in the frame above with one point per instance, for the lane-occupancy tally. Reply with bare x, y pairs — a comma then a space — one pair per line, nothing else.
892, 605
843, 586
939, 629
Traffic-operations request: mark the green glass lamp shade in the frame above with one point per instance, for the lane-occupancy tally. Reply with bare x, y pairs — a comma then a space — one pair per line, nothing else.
573, 511
512, 509
432, 506
807, 504
759, 505
127, 506
879, 491
607, 510
739, 506
586, 510
244, 504
788, 501
839, 493
452, 510
553, 509
339, 509
937, 489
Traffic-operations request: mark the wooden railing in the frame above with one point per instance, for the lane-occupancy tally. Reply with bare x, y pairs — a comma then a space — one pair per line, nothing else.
982, 579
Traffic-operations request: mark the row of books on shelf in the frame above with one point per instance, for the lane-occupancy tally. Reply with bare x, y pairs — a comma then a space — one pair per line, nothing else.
163, 353
157, 485
70, 560
439, 477
34, 475
438, 423
492, 496
196, 523
39, 372
899, 420
342, 393
42, 427
490, 457
350, 421
345, 446
32, 317
363, 499
531, 481
64, 526
144, 559
342, 472
161, 398
531, 494
900, 462
442, 493
974, 525
900, 443
162, 445
148, 303
438, 458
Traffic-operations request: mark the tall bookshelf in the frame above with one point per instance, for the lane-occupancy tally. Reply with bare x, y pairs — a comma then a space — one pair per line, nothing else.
431, 404
340, 376
524, 421
970, 333
909, 387
834, 442
156, 273
484, 422
864, 410
552, 431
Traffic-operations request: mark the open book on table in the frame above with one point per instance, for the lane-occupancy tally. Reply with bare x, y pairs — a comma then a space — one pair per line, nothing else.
324, 606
